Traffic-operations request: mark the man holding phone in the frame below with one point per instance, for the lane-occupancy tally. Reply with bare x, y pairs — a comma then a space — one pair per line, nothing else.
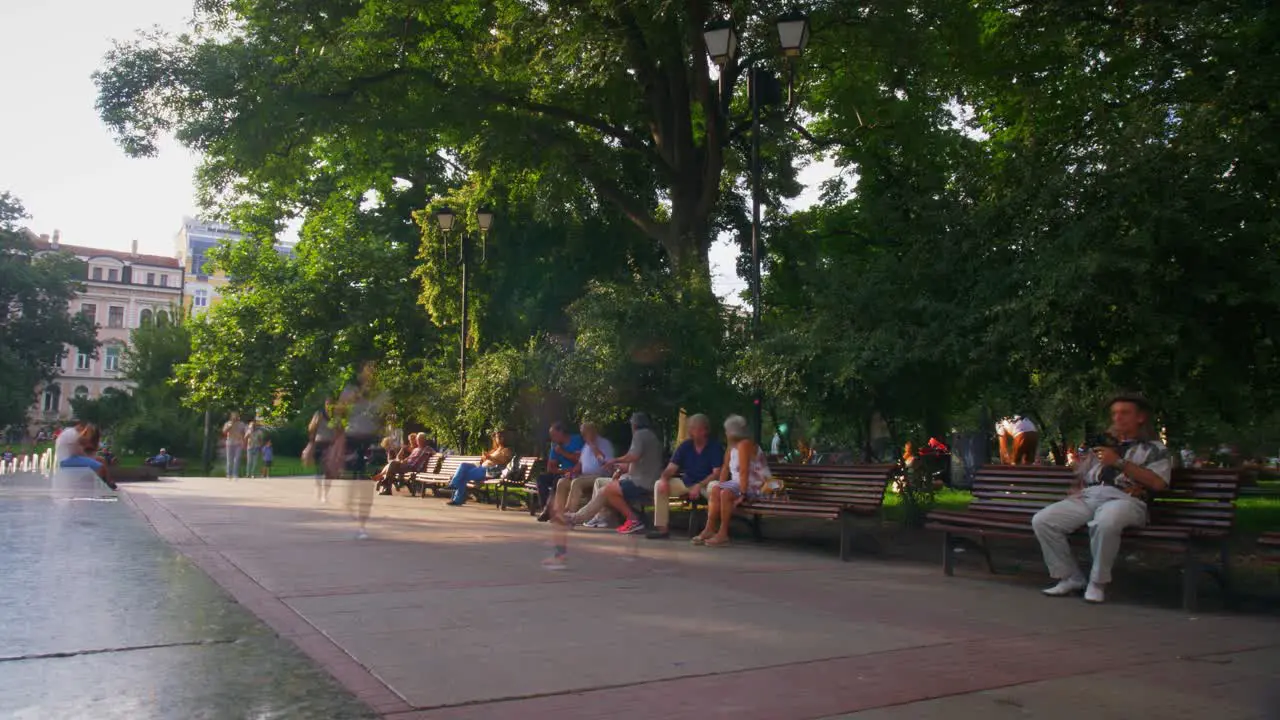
1114, 480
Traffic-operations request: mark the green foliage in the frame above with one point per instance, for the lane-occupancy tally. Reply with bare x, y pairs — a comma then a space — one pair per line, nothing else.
655, 344
150, 415
35, 321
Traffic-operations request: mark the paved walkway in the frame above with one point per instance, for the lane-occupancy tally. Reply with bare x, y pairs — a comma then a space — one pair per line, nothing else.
446, 613
100, 619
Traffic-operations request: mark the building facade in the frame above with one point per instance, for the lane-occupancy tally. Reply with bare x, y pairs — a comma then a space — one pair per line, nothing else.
191, 246
122, 291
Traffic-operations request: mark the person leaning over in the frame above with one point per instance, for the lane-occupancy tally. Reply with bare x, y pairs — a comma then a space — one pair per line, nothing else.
566, 449
697, 461
1115, 479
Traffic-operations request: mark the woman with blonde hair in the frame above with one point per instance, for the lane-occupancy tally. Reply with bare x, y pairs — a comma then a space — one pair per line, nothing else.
742, 475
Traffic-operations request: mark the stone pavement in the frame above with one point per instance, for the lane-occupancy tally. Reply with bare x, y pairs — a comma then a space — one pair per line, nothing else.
446, 613
100, 619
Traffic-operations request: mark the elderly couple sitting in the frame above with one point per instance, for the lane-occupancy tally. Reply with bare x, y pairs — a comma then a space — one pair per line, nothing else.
410, 458
700, 467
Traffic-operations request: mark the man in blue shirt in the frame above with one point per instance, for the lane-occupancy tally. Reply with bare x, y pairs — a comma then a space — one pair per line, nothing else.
697, 461
566, 448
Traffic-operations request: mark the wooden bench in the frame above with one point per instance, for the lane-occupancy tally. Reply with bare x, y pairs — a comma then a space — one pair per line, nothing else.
526, 469
1196, 512
442, 473
1269, 544
824, 492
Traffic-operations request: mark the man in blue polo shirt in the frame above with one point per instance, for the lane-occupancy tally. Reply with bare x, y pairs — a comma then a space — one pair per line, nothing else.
566, 448
697, 461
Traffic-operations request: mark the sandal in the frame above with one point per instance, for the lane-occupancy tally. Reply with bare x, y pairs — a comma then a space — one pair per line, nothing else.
712, 542
697, 540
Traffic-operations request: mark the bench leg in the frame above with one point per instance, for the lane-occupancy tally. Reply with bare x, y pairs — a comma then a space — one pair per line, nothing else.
846, 535
757, 529
986, 555
1190, 579
948, 555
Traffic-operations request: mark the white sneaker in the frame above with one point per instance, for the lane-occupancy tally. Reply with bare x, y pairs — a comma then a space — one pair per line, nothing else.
1066, 587
362, 535
555, 562
1096, 593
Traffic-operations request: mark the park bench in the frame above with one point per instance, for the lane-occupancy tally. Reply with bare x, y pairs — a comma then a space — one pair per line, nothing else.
525, 472
1269, 544
823, 492
442, 474
1195, 513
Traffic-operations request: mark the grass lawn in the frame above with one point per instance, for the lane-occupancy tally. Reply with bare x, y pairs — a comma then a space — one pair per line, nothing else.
191, 466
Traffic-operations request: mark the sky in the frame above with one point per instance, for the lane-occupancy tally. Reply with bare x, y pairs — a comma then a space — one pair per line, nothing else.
58, 158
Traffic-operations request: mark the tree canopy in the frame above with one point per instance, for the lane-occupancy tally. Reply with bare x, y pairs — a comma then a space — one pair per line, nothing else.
36, 323
1037, 203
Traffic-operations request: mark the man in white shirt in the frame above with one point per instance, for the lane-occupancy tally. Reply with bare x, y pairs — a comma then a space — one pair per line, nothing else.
1019, 440
1115, 478
581, 479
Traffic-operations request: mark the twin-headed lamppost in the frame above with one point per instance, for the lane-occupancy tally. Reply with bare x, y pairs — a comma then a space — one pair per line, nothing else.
722, 45
446, 219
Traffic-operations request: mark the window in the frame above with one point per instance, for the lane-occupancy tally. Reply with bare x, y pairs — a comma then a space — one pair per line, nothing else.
164, 281
113, 358
197, 263
81, 393
52, 400
97, 273
89, 312
115, 317
113, 275
162, 318
82, 361
144, 318
151, 278
200, 298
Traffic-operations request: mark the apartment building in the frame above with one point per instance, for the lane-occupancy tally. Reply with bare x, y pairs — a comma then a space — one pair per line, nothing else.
122, 291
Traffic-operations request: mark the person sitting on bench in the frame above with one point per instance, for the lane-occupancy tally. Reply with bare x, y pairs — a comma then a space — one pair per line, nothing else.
161, 460
498, 457
742, 476
566, 450
644, 459
1116, 477
581, 480
698, 459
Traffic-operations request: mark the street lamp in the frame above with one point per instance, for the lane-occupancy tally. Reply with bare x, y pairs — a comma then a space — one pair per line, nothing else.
445, 220
722, 46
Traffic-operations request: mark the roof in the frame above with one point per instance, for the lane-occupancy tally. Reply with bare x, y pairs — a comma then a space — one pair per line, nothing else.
81, 251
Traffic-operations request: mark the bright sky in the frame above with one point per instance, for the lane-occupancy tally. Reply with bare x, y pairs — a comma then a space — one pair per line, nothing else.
57, 157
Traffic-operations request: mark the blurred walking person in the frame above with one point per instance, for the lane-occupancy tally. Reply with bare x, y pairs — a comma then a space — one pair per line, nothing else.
233, 431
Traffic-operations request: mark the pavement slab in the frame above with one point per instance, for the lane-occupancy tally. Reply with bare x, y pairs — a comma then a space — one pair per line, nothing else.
100, 618
446, 613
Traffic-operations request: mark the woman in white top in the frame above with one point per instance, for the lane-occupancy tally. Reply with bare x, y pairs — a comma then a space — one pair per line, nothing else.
742, 475
1019, 440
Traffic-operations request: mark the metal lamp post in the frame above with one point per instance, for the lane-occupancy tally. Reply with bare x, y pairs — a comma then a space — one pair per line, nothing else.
722, 46
445, 220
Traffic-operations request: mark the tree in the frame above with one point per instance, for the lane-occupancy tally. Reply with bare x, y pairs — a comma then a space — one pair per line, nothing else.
150, 415
35, 320
614, 99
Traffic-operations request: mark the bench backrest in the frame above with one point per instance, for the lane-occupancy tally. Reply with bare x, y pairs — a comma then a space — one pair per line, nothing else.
449, 465
1197, 498
525, 469
860, 485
